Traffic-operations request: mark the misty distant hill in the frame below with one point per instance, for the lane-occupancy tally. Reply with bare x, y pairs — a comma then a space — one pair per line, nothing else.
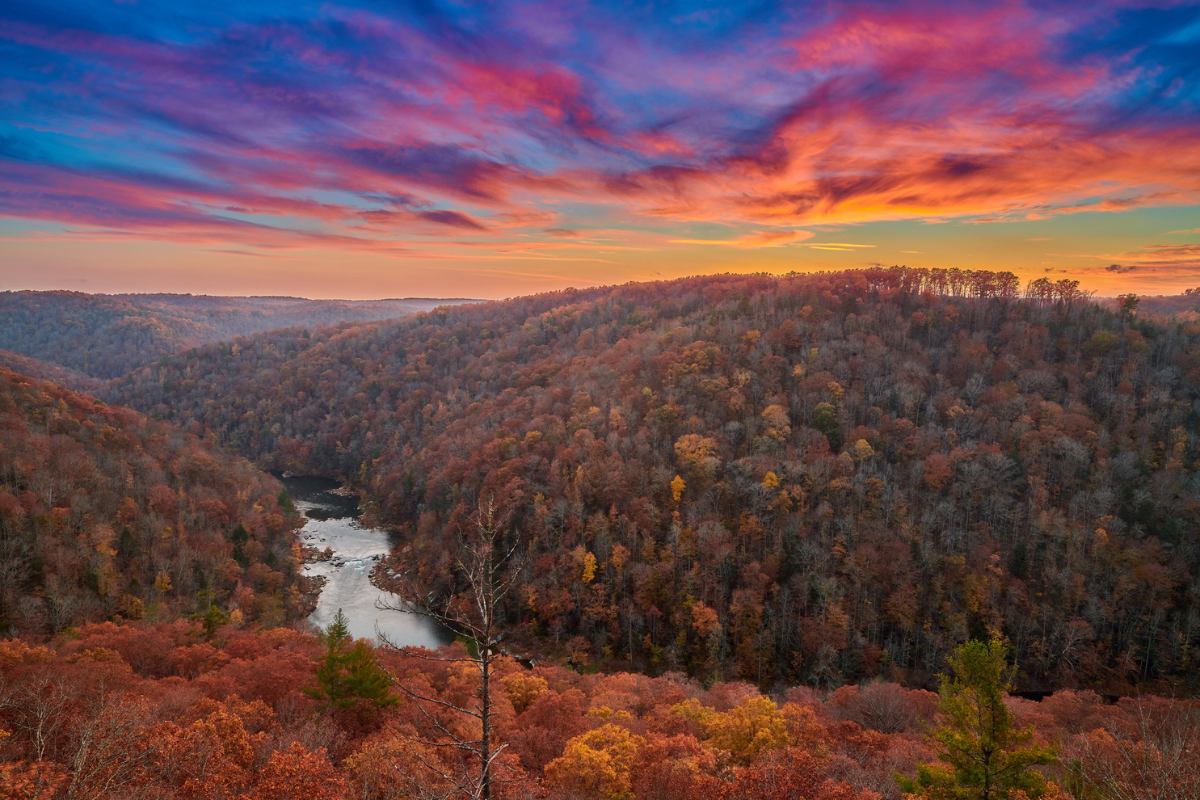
106, 336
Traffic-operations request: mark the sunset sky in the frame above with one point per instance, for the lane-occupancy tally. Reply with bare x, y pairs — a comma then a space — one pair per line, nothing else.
439, 149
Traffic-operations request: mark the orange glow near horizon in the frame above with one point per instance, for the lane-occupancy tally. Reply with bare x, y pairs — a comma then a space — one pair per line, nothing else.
138, 266
365, 154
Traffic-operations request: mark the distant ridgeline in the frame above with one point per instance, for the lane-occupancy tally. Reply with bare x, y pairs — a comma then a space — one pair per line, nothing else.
815, 477
105, 336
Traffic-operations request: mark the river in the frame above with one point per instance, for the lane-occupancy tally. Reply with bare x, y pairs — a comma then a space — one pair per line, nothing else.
332, 520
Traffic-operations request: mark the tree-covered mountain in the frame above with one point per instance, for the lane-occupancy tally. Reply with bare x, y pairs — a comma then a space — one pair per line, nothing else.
105, 336
812, 477
106, 513
62, 376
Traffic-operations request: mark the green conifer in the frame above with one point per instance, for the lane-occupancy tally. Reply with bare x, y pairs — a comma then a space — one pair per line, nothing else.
984, 756
348, 674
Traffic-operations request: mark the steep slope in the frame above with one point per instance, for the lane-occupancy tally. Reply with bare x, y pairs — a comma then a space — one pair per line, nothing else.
67, 378
104, 512
105, 336
817, 477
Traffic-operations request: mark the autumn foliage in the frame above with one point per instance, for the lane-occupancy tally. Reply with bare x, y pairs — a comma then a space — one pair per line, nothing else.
811, 478
90, 715
732, 484
105, 513
73, 338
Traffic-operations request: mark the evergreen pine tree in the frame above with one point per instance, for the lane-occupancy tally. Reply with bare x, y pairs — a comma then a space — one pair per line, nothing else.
984, 756
348, 674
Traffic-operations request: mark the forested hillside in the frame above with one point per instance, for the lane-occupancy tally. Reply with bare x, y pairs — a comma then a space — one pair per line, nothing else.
172, 711
106, 513
807, 478
66, 378
105, 336
1169, 308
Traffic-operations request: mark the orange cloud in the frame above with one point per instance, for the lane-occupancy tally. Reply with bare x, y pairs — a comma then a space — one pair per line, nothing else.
753, 240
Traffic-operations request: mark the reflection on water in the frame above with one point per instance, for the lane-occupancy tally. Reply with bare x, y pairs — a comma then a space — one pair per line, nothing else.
333, 523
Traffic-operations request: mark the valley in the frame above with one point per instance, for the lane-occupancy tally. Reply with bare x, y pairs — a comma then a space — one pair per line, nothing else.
782, 503
600, 401
332, 526
871, 466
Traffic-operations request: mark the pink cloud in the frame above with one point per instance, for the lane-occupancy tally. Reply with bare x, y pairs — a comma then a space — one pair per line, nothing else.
282, 134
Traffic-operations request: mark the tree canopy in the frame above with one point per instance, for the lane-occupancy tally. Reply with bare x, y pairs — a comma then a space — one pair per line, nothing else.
852, 487
349, 675
984, 754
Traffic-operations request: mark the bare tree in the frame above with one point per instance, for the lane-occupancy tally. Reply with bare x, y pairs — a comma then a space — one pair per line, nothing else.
38, 709
488, 568
1155, 756
112, 756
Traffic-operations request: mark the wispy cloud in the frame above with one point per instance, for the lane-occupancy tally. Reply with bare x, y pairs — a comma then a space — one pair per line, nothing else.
1160, 262
353, 126
753, 240
843, 246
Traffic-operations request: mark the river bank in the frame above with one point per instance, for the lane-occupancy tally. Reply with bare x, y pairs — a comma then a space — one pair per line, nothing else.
341, 555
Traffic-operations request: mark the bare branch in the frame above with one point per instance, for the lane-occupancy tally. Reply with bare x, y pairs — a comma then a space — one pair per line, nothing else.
489, 579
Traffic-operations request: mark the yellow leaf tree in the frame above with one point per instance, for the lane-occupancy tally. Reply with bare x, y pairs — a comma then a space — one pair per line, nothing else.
744, 731
596, 763
677, 487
